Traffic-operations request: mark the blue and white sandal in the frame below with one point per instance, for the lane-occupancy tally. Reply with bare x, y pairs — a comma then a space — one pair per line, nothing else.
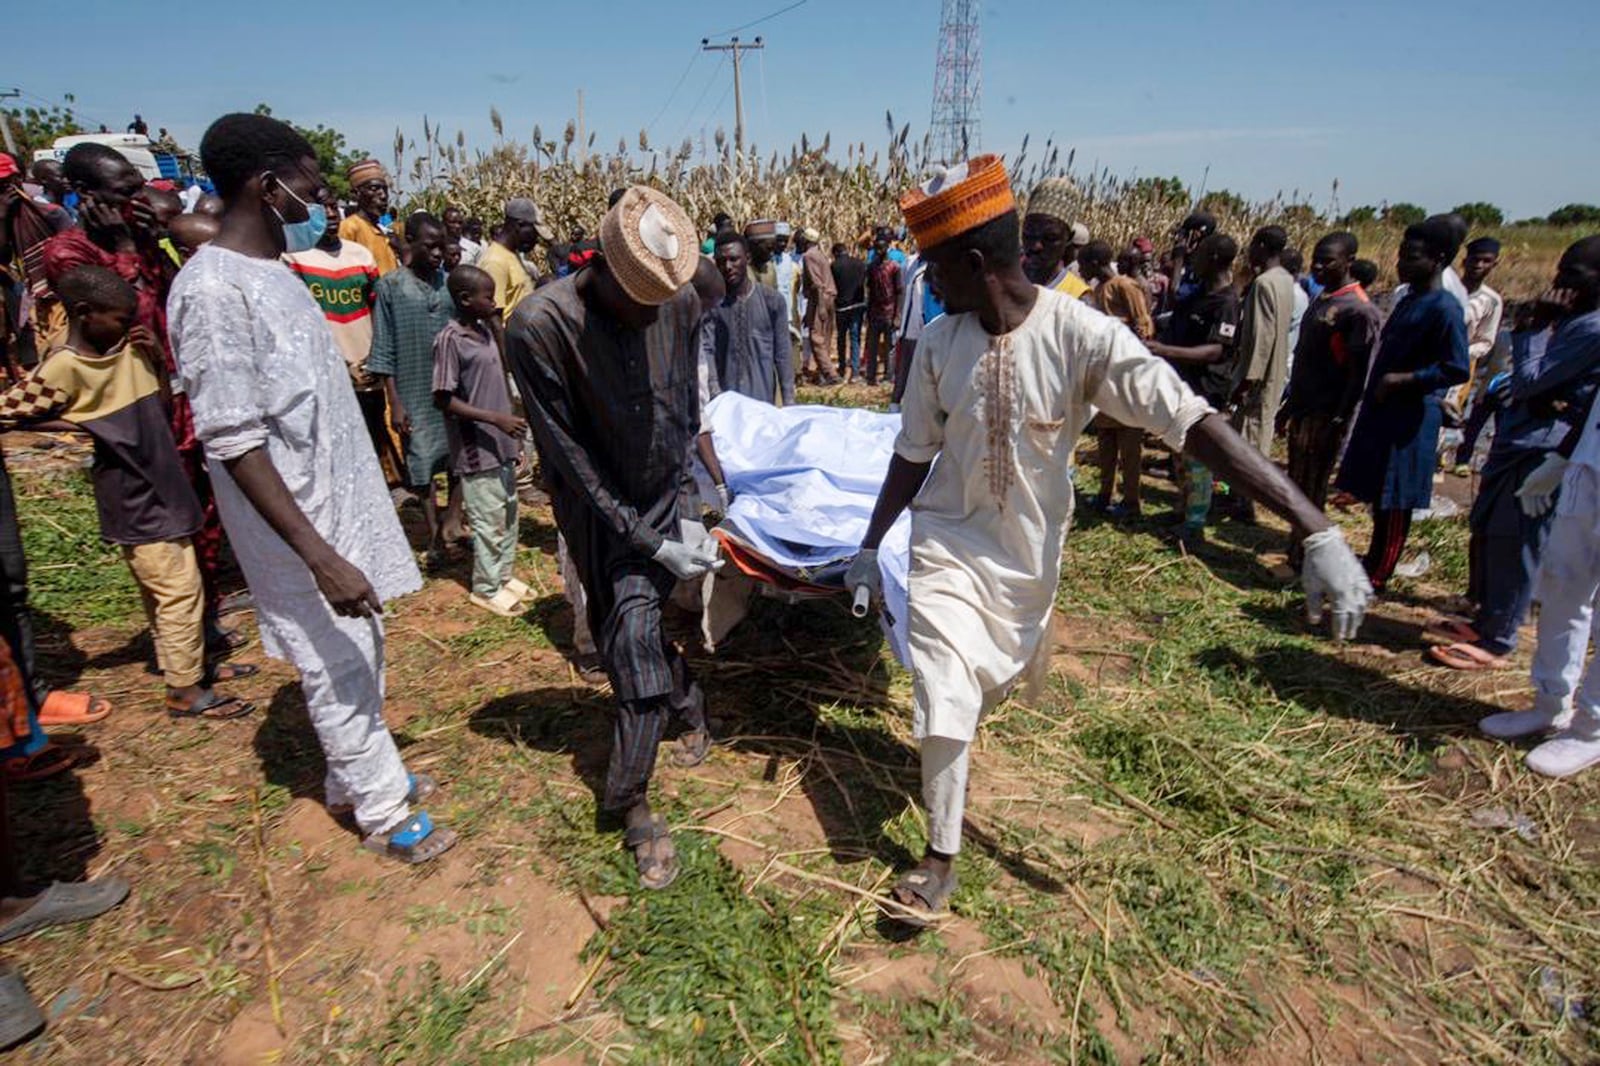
416, 840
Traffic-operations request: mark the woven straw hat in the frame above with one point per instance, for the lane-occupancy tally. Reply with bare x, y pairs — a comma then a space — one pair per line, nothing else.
649, 245
365, 171
1054, 198
958, 199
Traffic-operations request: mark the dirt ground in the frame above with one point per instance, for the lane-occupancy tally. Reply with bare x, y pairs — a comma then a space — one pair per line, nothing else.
259, 931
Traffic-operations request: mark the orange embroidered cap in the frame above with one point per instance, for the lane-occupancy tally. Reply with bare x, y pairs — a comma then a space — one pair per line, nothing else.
958, 199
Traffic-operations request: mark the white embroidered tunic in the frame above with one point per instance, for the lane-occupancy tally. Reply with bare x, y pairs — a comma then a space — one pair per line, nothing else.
1002, 415
261, 368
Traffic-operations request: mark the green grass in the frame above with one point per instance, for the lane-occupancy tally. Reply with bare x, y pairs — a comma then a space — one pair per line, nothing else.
1216, 810
73, 575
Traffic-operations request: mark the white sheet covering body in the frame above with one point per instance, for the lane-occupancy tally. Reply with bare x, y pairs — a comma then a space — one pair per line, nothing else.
804, 481
1002, 416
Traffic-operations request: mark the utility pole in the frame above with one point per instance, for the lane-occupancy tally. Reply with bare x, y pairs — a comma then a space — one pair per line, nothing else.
5, 127
736, 48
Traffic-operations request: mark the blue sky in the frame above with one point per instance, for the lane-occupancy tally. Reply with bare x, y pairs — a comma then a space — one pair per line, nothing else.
1427, 101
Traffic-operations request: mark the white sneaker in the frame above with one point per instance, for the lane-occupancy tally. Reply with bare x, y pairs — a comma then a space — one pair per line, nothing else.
1568, 752
1509, 725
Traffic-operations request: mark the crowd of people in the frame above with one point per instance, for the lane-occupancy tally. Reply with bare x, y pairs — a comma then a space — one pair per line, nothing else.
265, 373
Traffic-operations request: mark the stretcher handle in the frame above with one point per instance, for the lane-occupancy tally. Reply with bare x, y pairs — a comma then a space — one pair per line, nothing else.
861, 601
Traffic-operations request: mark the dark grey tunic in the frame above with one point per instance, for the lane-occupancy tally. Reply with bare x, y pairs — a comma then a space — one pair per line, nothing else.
614, 411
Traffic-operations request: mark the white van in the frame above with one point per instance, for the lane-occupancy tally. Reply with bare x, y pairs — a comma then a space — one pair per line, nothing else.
136, 148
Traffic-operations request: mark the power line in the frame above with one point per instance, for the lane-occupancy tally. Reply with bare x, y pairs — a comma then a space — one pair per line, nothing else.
694, 108
766, 116
716, 108
673, 95
759, 21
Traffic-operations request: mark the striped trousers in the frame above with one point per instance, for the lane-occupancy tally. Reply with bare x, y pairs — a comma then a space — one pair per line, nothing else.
640, 726
1390, 528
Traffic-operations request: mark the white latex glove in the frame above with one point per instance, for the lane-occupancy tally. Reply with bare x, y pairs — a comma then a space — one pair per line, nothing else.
1537, 493
689, 559
864, 573
1334, 578
724, 498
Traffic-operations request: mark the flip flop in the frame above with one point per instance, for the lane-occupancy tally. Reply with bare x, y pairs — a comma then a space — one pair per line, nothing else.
221, 641
654, 872
691, 749
503, 603
20, 1017
519, 589
1469, 657
212, 707
930, 893
235, 602
416, 840
591, 668
65, 902
1451, 631
230, 672
72, 708
52, 759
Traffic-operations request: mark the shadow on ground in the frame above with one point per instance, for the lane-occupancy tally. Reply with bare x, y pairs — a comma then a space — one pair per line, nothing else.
1325, 683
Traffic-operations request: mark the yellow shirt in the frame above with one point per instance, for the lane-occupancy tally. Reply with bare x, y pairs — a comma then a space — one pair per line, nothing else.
511, 281
358, 230
1072, 285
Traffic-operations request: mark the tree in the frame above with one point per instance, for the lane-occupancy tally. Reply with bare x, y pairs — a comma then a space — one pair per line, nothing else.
1480, 215
1224, 202
1161, 190
38, 127
1403, 214
1575, 215
1365, 215
334, 156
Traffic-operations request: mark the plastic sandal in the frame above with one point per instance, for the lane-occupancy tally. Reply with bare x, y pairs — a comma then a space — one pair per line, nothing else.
519, 589
504, 603
230, 672
73, 708
691, 749
1451, 631
655, 873
211, 707
931, 893
416, 840
1467, 657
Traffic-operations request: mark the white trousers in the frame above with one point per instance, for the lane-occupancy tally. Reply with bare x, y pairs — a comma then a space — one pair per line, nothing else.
1569, 580
342, 680
944, 790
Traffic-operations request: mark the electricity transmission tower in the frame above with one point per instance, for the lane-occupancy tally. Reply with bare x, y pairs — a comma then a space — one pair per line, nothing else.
958, 83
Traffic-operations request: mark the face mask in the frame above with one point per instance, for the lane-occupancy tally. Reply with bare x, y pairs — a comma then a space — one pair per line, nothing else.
302, 236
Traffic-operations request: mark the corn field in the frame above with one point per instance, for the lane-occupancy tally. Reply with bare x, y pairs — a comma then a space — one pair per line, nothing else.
809, 185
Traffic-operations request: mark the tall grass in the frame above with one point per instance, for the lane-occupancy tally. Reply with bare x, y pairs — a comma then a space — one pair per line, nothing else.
843, 198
